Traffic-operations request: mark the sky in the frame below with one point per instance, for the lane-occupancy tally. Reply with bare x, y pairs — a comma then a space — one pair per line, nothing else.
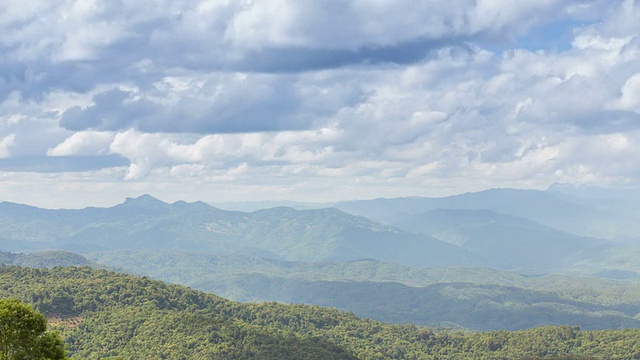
314, 100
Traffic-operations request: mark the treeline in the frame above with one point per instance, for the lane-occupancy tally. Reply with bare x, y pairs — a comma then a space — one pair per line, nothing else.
104, 314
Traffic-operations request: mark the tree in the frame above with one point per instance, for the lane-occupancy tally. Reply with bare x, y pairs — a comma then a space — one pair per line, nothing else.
24, 335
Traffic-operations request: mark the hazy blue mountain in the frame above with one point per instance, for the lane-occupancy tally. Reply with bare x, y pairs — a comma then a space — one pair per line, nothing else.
332, 235
530, 204
141, 223
506, 242
250, 206
280, 233
450, 237
560, 211
596, 192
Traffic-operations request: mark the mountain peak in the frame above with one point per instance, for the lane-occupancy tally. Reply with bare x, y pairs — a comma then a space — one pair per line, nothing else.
145, 200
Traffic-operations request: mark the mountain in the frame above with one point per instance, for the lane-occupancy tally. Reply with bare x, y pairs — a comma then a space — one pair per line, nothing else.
436, 237
103, 314
278, 233
460, 305
553, 209
137, 223
596, 192
45, 258
388, 292
506, 242
250, 206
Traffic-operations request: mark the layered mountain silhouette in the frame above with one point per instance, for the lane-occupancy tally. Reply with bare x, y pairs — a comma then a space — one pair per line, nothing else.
278, 233
477, 229
417, 258
596, 217
506, 242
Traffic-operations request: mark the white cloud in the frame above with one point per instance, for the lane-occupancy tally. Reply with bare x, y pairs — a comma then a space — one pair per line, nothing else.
5, 144
354, 98
630, 95
350, 25
83, 143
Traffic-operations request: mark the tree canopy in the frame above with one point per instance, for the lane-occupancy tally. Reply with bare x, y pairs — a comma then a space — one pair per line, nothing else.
24, 335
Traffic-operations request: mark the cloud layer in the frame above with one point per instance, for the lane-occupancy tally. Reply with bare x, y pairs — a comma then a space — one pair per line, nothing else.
317, 100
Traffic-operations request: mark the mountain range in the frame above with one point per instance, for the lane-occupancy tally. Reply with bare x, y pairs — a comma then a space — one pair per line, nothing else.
595, 217
476, 254
435, 237
277, 233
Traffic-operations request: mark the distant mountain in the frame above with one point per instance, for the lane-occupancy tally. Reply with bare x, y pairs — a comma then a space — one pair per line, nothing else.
437, 237
279, 233
596, 192
137, 223
250, 206
507, 242
530, 204
549, 208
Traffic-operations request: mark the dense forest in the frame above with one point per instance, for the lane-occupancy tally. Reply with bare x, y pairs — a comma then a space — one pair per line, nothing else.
452, 296
103, 314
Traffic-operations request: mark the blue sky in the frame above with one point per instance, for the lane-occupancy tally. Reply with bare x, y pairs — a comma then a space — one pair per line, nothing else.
314, 100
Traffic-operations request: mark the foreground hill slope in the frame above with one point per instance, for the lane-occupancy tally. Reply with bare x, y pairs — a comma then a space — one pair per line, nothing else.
103, 314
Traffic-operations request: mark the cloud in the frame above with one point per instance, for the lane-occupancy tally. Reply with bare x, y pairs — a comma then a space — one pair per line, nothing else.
83, 144
217, 103
630, 95
221, 152
357, 24
352, 98
5, 144
101, 40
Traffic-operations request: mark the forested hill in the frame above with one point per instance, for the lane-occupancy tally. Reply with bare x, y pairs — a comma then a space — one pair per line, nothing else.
105, 314
45, 258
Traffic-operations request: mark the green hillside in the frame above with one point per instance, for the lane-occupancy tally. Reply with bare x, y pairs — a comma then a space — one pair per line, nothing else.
464, 297
45, 258
105, 314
